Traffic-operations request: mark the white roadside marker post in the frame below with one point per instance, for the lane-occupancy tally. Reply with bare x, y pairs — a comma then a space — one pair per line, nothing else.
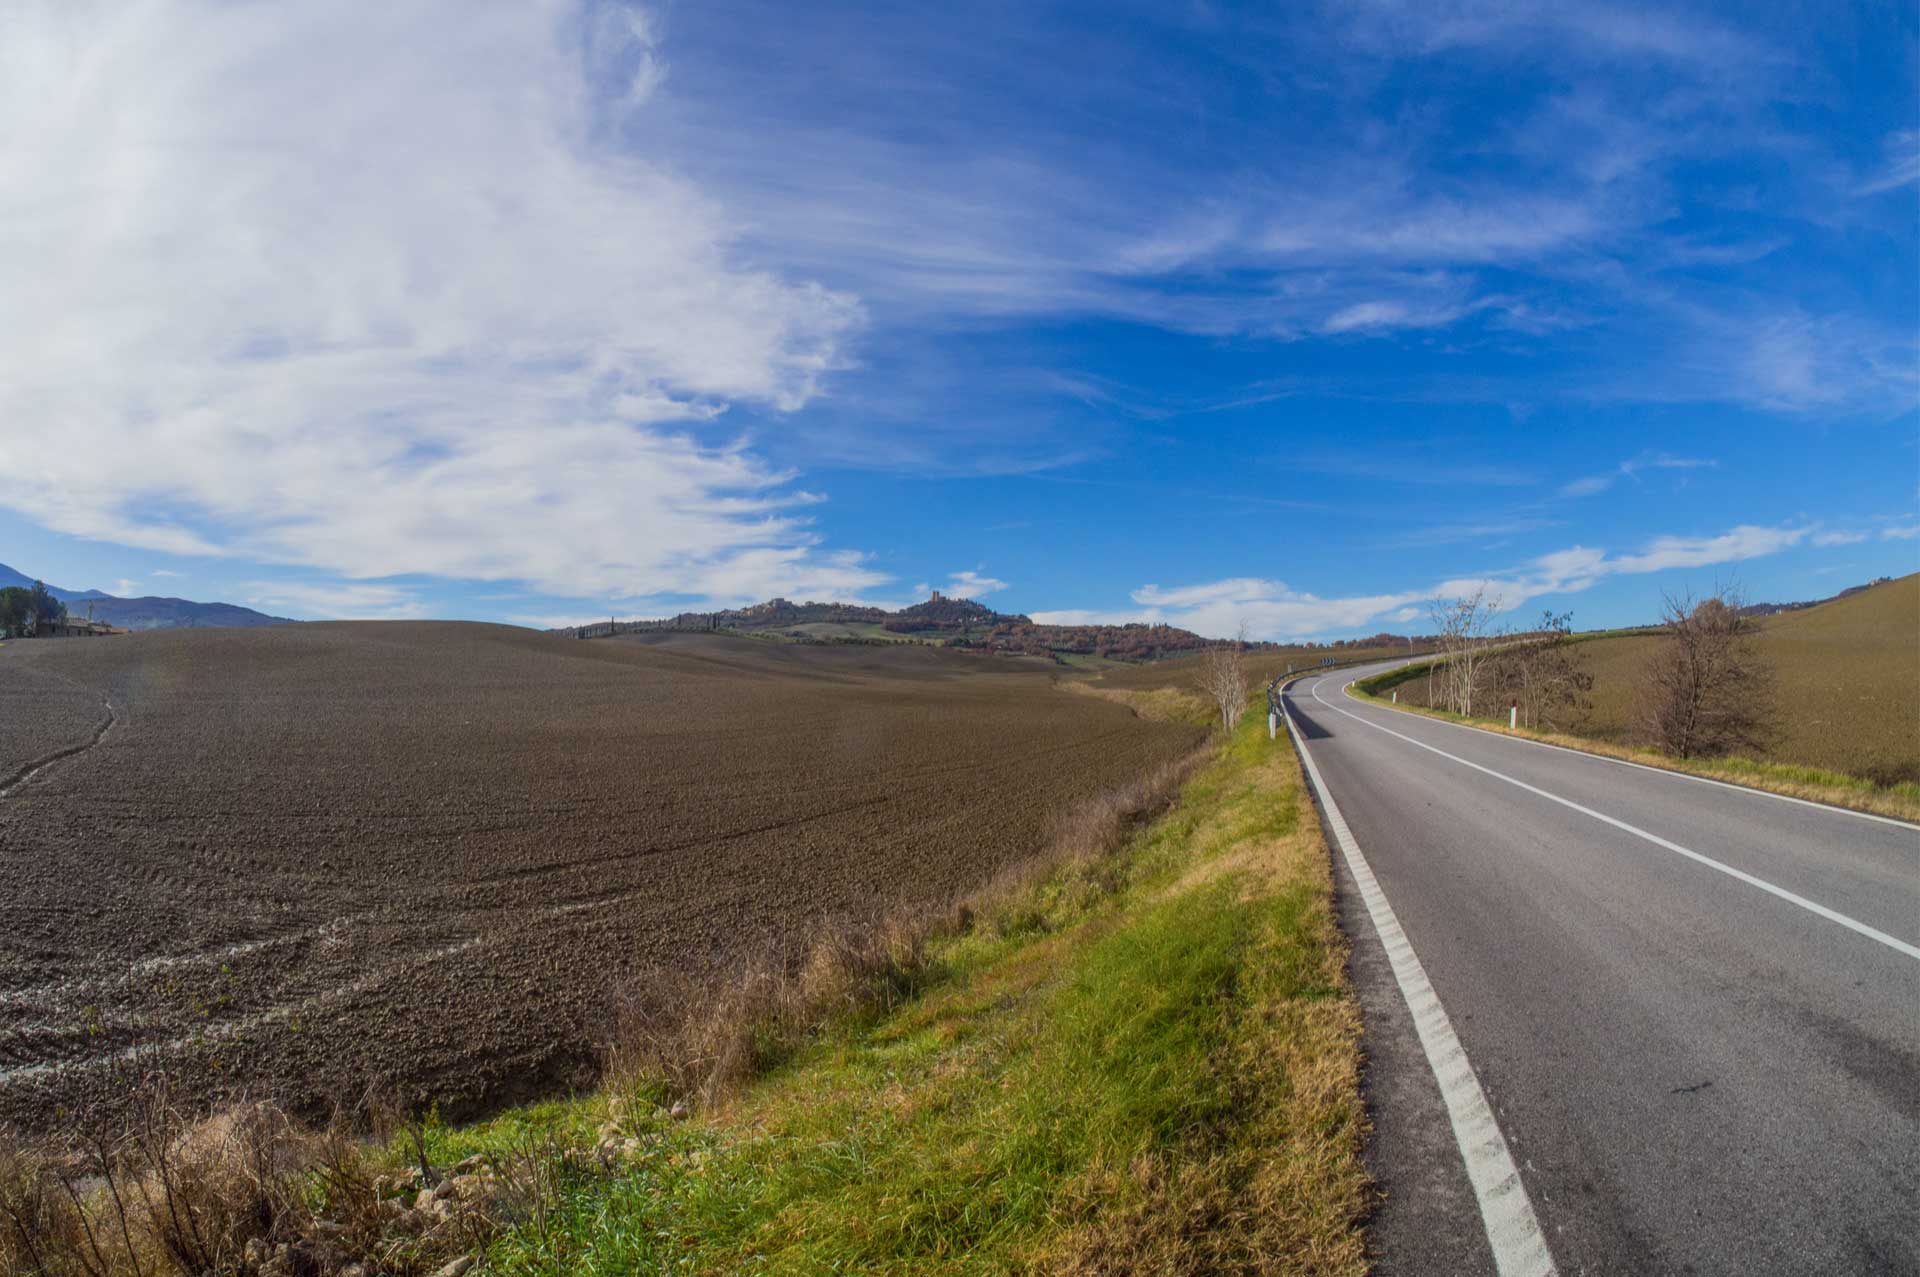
1273, 724
1513, 716
1396, 698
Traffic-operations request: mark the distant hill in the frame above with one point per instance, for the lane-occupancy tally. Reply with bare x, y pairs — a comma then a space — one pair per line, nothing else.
960, 623
943, 615
1774, 609
149, 612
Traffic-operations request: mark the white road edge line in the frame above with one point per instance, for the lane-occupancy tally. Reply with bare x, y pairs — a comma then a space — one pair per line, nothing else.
1852, 924
1513, 1231
1658, 771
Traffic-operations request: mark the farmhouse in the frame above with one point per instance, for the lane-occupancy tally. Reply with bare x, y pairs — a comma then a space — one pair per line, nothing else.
69, 627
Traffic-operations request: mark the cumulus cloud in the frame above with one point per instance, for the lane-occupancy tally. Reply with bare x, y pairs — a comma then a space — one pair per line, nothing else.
1272, 610
363, 290
971, 585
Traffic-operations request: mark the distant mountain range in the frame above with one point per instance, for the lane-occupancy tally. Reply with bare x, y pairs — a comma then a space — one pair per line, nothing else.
149, 612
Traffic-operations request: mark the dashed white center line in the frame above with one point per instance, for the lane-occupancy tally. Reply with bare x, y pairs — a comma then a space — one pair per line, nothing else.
1852, 924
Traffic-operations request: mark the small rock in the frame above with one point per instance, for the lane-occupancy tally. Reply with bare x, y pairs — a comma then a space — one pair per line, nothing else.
455, 1267
423, 1199
679, 1110
470, 1165
354, 1270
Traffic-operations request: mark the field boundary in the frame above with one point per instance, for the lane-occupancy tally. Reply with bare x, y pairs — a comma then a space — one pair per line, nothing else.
1645, 761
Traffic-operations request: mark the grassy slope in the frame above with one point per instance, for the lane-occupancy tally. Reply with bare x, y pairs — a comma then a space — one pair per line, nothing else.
1848, 693
828, 630
1143, 1064
1848, 684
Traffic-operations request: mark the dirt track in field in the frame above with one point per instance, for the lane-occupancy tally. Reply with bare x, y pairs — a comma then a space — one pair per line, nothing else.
308, 860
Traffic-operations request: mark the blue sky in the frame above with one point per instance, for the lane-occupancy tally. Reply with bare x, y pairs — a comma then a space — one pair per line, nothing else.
1293, 316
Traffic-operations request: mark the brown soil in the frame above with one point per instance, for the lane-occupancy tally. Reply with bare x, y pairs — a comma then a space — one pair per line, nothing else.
305, 861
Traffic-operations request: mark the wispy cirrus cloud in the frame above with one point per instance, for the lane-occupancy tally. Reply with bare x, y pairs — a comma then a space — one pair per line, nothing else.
1902, 166
1562, 218
1591, 485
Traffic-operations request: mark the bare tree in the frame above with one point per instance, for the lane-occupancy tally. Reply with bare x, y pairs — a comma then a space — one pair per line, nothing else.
1541, 673
1223, 678
1465, 632
1706, 691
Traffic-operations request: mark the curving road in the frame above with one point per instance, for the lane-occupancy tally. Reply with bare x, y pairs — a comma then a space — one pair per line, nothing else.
1620, 1020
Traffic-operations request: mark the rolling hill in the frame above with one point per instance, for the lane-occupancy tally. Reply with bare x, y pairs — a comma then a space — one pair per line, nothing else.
1846, 682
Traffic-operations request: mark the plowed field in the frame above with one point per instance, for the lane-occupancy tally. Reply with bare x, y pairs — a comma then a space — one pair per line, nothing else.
306, 860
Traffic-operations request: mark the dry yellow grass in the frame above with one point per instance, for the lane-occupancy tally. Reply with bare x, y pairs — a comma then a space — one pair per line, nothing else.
1847, 696
1159, 704
1835, 789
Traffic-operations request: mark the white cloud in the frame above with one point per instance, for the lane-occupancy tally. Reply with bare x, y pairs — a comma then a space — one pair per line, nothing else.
125, 586
1597, 483
1906, 533
165, 572
1665, 461
1838, 538
1272, 610
1902, 167
1377, 316
360, 289
1744, 542
339, 600
1588, 486
971, 585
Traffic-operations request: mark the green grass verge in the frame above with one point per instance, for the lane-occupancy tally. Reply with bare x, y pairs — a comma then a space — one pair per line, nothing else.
1144, 1063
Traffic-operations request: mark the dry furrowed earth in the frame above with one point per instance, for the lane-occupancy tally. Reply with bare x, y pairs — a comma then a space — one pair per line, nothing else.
306, 861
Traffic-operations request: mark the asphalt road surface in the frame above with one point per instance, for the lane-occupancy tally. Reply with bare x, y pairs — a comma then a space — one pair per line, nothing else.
1690, 1014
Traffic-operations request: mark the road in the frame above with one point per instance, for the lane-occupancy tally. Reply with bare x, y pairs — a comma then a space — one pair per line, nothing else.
1691, 1012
